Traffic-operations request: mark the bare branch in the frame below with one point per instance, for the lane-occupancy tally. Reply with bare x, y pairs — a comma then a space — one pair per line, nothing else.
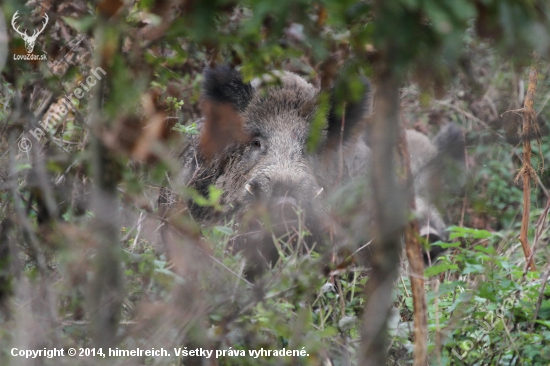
527, 172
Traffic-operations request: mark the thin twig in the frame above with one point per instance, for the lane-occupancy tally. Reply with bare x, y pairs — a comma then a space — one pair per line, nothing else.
529, 118
416, 264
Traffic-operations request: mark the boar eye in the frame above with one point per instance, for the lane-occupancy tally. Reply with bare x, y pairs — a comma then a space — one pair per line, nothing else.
257, 143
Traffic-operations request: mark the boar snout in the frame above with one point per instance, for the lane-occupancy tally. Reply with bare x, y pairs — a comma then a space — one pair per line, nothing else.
284, 200
284, 203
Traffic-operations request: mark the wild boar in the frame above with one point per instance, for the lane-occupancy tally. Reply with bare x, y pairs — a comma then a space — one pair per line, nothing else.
255, 146
437, 168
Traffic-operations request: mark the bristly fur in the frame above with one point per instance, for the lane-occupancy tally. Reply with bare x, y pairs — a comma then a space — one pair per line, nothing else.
223, 84
450, 140
290, 104
278, 109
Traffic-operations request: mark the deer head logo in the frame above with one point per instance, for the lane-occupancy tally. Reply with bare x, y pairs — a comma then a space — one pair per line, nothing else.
29, 40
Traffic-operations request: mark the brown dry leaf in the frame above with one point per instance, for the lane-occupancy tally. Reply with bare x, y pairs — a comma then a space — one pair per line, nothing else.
109, 50
108, 8
223, 125
328, 71
124, 134
137, 135
322, 16
153, 132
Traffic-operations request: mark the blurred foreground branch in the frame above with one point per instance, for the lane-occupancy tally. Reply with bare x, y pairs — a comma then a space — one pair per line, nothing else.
106, 293
389, 219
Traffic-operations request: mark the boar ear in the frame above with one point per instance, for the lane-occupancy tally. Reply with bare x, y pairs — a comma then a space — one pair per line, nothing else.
350, 102
223, 84
450, 162
450, 141
224, 98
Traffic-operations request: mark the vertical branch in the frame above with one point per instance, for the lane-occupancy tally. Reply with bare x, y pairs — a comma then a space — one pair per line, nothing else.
389, 219
106, 293
527, 172
416, 263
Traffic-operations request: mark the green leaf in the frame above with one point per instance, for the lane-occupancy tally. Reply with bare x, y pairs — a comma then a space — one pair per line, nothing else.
463, 232
487, 250
187, 130
473, 268
224, 230
214, 194
546, 323
439, 268
447, 245
21, 167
